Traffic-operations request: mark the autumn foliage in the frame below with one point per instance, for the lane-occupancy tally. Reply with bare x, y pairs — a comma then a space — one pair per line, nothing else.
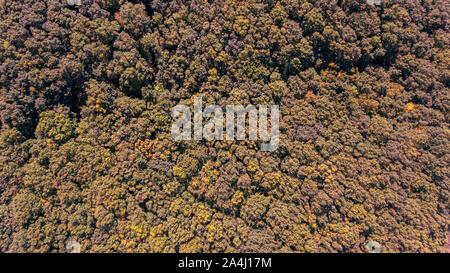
86, 94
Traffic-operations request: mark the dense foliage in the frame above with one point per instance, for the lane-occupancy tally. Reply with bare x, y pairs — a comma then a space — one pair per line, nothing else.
86, 154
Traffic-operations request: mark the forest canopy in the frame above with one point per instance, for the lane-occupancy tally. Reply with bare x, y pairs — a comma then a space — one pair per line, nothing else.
86, 154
